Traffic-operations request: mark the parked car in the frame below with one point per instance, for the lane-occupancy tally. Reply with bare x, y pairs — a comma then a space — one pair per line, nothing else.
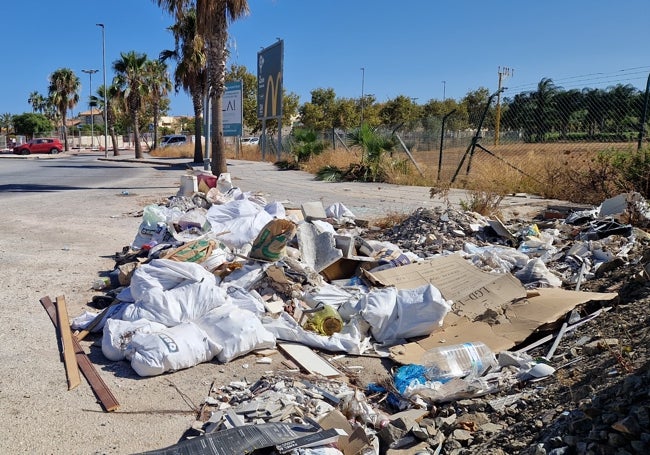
250, 140
172, 140
40, 145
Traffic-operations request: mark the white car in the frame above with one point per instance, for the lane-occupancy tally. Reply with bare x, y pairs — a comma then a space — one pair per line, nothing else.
171, 140
250, 140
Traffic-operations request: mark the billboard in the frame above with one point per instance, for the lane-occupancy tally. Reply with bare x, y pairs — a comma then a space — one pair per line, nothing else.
269, 81
232, 108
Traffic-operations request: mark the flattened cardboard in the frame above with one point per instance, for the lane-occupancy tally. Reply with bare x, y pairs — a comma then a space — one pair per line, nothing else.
472, 290
356, 441
524, 318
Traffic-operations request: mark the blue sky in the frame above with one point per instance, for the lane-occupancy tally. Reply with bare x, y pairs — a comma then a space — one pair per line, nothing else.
406, 48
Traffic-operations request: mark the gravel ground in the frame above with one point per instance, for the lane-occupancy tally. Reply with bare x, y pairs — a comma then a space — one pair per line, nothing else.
55, 244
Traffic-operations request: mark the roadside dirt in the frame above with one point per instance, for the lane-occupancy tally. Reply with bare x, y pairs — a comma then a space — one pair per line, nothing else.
56, 243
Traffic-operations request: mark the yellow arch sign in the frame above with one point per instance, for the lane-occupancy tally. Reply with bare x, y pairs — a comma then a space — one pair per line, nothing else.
273, 86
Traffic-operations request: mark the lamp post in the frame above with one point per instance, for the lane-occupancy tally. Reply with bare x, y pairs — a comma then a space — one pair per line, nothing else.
105, 90
363, 77
92, 114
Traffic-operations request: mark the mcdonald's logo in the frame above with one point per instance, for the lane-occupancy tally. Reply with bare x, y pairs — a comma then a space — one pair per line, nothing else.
274, 87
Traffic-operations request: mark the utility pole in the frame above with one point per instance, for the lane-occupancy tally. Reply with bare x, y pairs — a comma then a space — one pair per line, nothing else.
503, 73
105, 90
90, 104
363, 78
444, 91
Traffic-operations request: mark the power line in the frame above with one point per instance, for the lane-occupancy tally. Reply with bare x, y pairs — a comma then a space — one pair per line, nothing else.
587, 79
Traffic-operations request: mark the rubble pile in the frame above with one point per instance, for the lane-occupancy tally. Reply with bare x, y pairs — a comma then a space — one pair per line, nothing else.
216, 275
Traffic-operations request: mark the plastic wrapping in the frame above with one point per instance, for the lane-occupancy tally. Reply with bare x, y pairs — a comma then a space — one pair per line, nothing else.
456, 361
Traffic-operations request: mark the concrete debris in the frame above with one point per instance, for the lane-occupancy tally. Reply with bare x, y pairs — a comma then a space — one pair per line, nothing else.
329, 264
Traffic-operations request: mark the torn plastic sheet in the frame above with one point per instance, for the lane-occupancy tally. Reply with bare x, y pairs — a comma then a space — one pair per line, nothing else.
247, 276
535, 274
394, 314
340, 213
171, 292
540, 245
331, 295
349, 340
82, 321
500, 259
246, 300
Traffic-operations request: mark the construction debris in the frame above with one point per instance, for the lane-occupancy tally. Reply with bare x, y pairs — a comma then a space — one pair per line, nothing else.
235, 274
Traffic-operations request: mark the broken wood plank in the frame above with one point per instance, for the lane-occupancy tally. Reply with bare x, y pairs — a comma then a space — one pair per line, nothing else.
308, 360
97, 384
69, 358
80, 335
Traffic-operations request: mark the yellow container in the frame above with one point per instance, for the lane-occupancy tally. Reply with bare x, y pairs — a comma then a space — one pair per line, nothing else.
326, 321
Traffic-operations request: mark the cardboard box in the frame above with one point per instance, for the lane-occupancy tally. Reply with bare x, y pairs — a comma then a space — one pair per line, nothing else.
476, 295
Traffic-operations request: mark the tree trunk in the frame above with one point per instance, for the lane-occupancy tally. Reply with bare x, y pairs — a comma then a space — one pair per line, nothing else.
64, 114
111, 121
217, 57
136, 135
219, 164
198, 147
116, 150
156, 114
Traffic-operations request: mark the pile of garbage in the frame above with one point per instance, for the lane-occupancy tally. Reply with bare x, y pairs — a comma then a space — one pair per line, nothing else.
218, 273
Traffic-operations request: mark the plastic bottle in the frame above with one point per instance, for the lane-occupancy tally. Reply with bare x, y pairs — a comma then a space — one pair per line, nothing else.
101, 283
457, 361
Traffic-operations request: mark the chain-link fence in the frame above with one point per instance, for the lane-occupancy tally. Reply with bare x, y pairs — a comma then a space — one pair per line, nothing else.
518, 132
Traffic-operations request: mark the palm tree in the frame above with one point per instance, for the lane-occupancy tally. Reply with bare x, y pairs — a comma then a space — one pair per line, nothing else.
36, 100
159, 86
63, 90
374, 144
545, 108
131, 80
212, 26
190, 73
6, 121
115, 107
49, 109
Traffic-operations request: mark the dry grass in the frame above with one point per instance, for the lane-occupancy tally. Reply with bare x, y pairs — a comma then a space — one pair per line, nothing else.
181, 151
389, 220
248, 153
340, 158
561, 171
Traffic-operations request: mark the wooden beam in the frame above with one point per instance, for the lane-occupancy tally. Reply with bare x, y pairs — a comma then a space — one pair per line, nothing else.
97, 384
69, 358
80, 335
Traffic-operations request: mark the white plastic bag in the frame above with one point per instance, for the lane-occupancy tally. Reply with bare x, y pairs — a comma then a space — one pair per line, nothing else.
237, 222
171, 292
238, 331
117, 335
152, 215
350, 339
170, 349
394, 315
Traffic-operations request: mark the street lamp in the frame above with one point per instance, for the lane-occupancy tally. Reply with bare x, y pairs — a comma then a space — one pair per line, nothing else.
363, 77
92, 114
105, 91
